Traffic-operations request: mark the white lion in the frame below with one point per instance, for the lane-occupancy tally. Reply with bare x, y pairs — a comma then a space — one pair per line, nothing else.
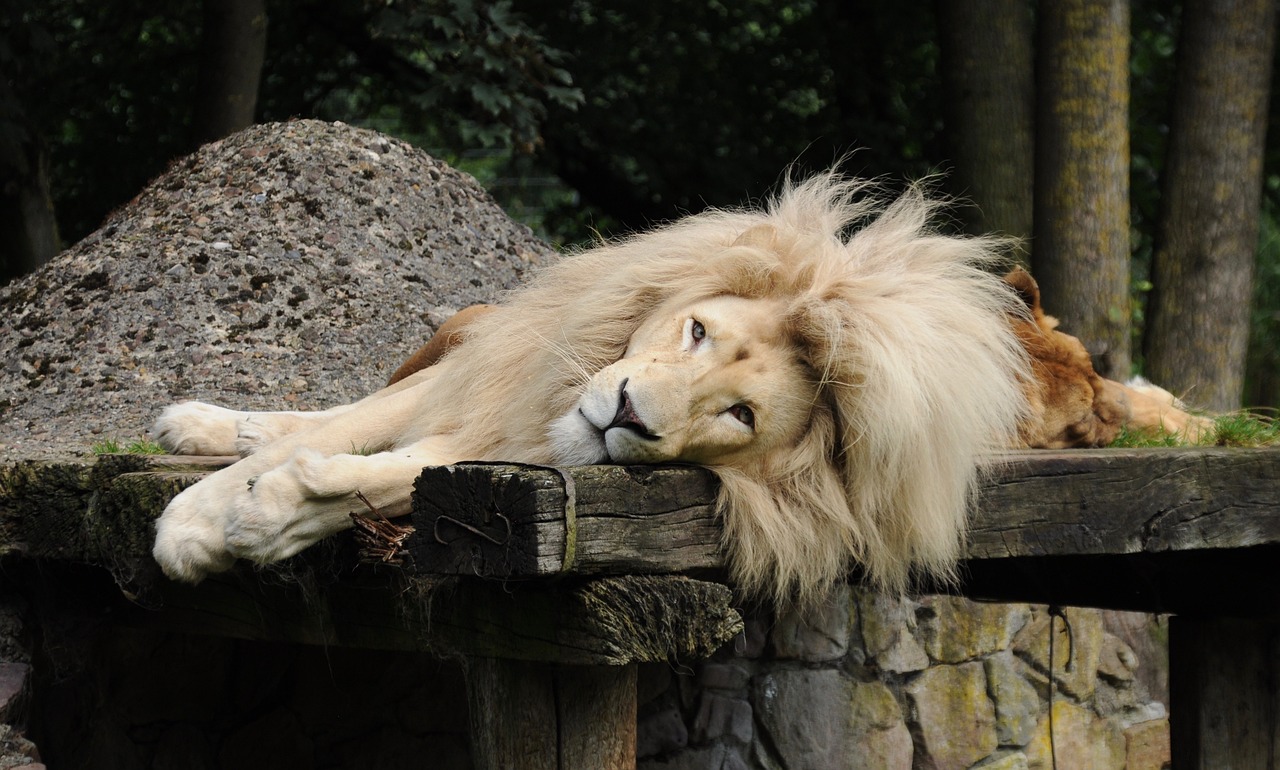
841, 368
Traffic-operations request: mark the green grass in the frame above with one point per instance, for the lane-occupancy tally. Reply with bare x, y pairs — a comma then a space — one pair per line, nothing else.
110, 446
1239, 429
1245, 429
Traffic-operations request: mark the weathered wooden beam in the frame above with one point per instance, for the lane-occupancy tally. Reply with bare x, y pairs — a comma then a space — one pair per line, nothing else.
501, 520
517, 520
1224, 699
92, 510
1109, 502
1167, 530
538, 716
641, 519
1160, 530
604, 621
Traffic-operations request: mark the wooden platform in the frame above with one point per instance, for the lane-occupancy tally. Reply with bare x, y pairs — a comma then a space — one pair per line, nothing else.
547, 577
1167, 530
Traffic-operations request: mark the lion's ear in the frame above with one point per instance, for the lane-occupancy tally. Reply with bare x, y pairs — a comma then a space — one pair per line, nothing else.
762, 236
1026, 287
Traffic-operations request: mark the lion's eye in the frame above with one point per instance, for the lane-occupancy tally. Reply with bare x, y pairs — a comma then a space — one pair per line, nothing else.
697, 331
743, 414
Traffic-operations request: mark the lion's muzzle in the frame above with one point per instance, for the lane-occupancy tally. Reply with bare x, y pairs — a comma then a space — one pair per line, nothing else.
627, 417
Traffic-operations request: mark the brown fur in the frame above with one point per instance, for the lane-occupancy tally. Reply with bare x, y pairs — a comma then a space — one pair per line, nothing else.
445, 339
1071, 404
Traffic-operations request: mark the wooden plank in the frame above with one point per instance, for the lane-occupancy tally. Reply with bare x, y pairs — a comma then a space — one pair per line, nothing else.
536, 716
504, 520
606, 621
1089, 502
644, 519
1224, 699
1114, 528
1078, 503
83, 510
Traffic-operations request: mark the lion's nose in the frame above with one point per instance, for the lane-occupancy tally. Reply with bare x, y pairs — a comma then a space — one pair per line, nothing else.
626, 416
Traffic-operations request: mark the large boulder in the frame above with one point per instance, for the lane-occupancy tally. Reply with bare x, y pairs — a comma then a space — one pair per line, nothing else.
289, 266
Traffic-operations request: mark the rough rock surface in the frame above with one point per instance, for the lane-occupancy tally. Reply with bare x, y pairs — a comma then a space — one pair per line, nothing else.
288, 266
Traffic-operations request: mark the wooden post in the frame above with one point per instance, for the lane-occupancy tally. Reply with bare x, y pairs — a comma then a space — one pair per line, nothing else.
541, 716
1224, 696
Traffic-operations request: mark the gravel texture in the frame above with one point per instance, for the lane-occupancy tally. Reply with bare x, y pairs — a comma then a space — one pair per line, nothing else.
289, 266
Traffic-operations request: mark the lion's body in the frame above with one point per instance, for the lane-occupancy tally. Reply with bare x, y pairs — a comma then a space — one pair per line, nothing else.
843, 387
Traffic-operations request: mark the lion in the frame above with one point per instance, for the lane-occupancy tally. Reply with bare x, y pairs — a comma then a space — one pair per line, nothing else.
1071, 405
842, 367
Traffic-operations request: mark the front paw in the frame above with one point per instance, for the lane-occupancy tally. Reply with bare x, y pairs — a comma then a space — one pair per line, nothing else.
252, 434
189, 538
288, 509
195, 428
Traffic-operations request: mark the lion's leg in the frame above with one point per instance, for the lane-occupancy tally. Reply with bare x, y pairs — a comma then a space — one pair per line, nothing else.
191, 535
1154, 408
196, 428
311, 496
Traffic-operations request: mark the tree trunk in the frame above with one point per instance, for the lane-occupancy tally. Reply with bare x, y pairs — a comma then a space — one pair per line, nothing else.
988, 70
28, 229
1203, 265
233, 47
1081, 248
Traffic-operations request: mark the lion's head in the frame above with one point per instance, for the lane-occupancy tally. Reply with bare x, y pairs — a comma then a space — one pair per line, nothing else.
716, 381
841, 367
1071, 404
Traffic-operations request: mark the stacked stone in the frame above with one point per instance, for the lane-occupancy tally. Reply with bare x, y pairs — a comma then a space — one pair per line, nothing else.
881, 682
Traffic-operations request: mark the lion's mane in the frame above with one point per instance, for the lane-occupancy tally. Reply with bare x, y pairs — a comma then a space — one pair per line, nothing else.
904, 328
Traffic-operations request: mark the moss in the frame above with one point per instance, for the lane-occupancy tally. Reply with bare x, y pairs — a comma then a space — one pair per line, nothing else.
110, 446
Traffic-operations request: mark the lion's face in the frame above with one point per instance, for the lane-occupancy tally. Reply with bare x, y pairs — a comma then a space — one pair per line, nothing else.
713, 382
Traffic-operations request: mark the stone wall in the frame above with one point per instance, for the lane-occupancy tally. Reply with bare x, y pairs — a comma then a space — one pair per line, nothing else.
936, 682
872, 682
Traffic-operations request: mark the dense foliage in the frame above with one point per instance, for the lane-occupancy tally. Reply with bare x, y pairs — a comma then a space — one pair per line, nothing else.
592, 115
110, 86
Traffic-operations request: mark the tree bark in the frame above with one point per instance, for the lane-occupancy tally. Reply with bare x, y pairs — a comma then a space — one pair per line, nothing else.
28, 228
233, 49
1081, 247
988, 70
1203, 267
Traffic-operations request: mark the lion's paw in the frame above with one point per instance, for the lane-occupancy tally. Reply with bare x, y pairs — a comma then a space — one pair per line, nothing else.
189, 538
195, 428
286, 510
253, 433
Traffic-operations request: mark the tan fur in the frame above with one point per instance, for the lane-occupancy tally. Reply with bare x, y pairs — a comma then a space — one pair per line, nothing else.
890, 371
1073, 406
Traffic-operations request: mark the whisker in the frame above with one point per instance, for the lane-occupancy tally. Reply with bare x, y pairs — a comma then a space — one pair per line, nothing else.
575, 370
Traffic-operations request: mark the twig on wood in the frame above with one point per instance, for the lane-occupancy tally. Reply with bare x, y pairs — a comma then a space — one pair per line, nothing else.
380, 540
